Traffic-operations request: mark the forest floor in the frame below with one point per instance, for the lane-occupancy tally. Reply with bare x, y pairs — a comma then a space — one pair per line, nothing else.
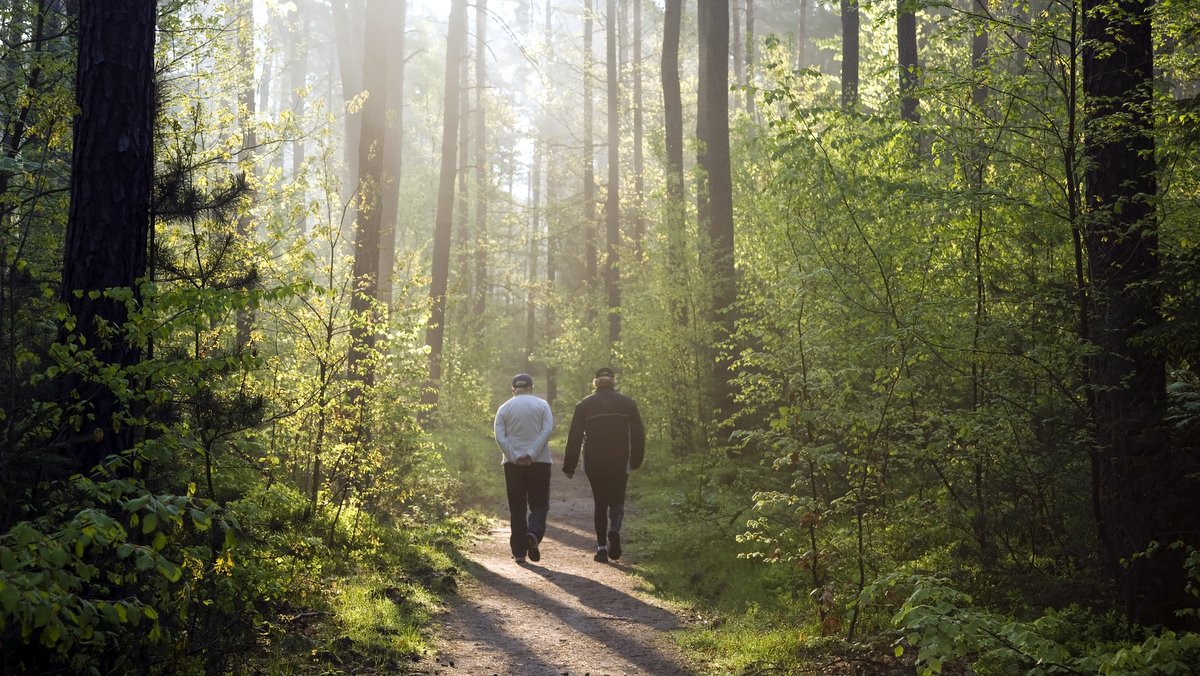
565, 615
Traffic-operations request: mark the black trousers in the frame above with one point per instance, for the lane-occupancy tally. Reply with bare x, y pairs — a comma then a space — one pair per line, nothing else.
608, 492
528, 502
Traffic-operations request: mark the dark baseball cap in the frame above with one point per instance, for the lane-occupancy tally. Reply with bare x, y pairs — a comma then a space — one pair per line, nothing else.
522, 380
605, 372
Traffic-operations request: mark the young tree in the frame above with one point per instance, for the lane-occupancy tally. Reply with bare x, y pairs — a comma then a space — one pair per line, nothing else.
112, 171
444, 220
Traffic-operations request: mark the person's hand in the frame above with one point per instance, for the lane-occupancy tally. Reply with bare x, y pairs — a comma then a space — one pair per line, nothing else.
524, 460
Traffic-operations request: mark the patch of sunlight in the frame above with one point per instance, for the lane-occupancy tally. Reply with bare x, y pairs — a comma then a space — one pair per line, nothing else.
378, 615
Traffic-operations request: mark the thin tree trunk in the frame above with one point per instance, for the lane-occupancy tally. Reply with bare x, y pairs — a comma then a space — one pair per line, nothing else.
535, 210
639, 182
589, 160
298, 76
850, 53
348, 33
735, 49
436, 328
751, 49
551, 238
802, 36
245, 38
393, 155
612, 206
906, 42
482, 178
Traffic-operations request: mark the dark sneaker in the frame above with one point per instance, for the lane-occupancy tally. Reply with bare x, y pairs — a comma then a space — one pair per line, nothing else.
534, 553
601, 555
614, 545
520, 560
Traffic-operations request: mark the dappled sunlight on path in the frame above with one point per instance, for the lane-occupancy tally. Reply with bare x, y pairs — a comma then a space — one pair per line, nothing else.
566, 614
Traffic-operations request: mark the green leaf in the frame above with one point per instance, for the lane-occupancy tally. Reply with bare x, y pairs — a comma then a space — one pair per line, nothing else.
10, 596
169, 570
150, 522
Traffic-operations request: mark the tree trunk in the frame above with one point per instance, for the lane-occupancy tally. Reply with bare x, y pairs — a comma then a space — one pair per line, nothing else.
393, 154
108, 223
802, 36
850, 53
751, 49
715, 199
1139, 474
639, 183
246, 109
612, 203
380, 27
735, 48
589, 160
535, 197
444, 221
906, 42
551, 237
482, 177
348, 33
298, 76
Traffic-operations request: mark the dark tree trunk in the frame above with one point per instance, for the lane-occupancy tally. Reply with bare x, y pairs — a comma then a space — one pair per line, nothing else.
380, 27
680, 426
551, 237
612, 202
246, 105
850, 53
112, 171
715, 199
1145, 493
735, 48
444, 221
906, 42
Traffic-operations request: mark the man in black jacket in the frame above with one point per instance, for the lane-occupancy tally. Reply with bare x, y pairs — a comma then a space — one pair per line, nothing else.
607, 429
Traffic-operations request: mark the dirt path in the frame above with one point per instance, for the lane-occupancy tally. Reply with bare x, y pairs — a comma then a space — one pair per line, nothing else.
566, 615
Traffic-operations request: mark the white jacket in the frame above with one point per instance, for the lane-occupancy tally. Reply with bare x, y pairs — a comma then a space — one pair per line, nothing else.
523, 427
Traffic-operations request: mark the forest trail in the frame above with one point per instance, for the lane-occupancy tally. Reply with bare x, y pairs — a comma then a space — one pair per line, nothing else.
566, 615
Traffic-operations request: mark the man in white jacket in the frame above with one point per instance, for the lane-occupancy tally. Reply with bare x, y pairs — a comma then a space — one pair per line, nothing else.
523, 427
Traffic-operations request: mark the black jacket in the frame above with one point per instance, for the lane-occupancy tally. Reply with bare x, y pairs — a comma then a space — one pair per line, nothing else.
607, 428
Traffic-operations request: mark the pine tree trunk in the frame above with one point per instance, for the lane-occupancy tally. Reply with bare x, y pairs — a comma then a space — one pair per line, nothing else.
715, 199
639, 183
906, 42
590, 228
112, 171
444, 220
481, 164
612, 203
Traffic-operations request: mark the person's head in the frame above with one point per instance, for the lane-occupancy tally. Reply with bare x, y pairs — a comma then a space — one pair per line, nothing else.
605, 378
522, 383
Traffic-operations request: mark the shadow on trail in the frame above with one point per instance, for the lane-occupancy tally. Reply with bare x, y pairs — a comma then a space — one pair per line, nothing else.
616, 624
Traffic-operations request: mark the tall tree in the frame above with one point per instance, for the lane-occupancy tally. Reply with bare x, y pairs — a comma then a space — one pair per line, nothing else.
802, 36
751, 50
715, 198
482, 177
246, 109
435, 331
112, 171
735, 48
639, 180
612, 202
1137, 472
906, 42
589, 154
393, 154
348, 30
380, 27
298, 47
850, 53
551, 237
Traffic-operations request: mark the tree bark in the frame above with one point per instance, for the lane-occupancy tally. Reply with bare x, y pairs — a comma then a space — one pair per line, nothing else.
393, 154
906, 42
850, 53
444, 220
1139, 474
751, 49
715, 208
639, 182
591, 244
482, 178
246, 110
348, 33
112, 172
612, 203
380, 27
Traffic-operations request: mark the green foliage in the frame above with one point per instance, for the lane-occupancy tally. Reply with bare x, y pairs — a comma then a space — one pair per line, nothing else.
944, 627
